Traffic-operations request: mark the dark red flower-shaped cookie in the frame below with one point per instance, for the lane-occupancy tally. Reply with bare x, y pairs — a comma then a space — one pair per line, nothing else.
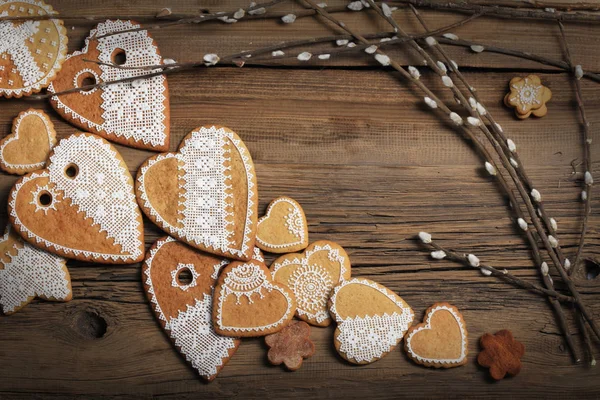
290, 345
501, 354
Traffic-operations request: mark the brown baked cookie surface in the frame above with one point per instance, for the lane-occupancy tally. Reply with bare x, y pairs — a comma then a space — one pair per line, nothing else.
283, 229
31, 52
205, 194
290, 346
134, 113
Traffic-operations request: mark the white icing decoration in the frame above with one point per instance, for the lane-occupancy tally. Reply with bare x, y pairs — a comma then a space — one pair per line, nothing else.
130, 111
463, 347
527, 94
31, 272
51, 138
246, 280
218, 267
293, 222
54, 199
83, 72
208, 198
100, 174
175, 280
370, 338
192, 329
13, 43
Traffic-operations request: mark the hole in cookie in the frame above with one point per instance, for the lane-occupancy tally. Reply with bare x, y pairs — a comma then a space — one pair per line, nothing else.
184, 277
86, 79
71, 171
119, 57
45, 199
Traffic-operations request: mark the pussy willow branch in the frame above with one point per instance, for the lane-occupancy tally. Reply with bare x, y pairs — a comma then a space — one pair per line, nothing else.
587, 159
505, 275
532, 241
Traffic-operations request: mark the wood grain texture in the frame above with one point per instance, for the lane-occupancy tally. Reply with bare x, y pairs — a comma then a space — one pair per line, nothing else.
371, 167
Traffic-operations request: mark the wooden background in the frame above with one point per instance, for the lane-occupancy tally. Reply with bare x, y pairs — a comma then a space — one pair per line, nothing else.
372, 167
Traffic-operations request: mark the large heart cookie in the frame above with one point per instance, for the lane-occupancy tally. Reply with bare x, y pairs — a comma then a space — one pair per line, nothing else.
27, 272
283, 229
179, 284
371, 320
204, 194
311, 276
82, 205
134, 113
31, 52
26, 149
248, 302
441, 340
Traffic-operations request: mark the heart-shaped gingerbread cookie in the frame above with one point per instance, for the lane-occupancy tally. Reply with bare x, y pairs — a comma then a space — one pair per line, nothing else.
248, 302
26, 149
31, 52
311, 276
441, 340
134, 113
27, 272
179, 284
82, 205
283, 229
204, 194
371, 320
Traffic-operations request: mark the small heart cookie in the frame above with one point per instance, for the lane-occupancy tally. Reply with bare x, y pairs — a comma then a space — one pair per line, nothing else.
311, 276
179, 284
26, 149
82, 205
441, 340
204, 194
31, 52
27, 272
248, 302
371, 320
134, 113
283, 229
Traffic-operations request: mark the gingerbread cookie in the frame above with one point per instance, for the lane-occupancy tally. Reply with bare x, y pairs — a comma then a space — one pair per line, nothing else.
248, 302
134, 113
211, 177
528, 96
283, 229
26, 149
441, 340
27, 272
183, 304
371, 320
311, 276
82, 205
31, 52
290, 345
501, 354
257, 256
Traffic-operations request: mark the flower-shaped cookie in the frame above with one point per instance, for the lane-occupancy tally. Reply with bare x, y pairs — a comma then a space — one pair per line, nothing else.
290, 345
501, 354
528, 96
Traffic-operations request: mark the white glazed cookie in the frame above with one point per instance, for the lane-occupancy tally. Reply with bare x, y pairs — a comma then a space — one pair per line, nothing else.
211, 177
311, 276
134, 113
283, 229
31, 52
82, 205
371, 320
27, 272
184, 307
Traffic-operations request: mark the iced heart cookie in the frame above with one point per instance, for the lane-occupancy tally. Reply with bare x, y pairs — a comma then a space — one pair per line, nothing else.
204, 194
134, 113
248, 302
311, 276
31, 52
283, 229
257, 256
371, 320
179, 285
82, 205
26, 149
441, 340
27, 272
